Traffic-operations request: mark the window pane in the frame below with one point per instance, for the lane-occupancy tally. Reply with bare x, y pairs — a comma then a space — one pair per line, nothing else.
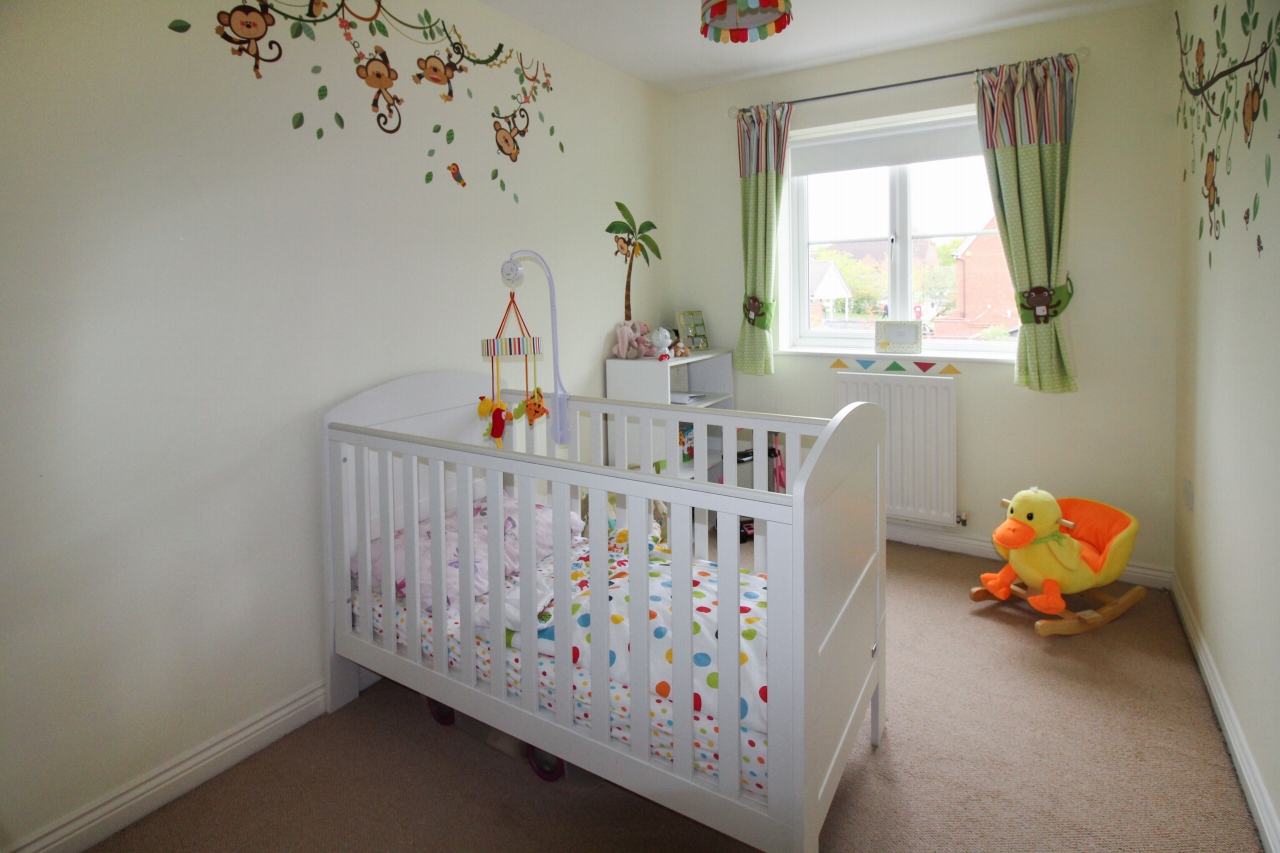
950, 197
961, 288
848, 285
849, 205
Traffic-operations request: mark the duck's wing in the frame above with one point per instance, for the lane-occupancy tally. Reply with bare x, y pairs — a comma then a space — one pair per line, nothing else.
1069, 553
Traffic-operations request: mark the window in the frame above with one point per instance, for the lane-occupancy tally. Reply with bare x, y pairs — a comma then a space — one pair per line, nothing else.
892, 219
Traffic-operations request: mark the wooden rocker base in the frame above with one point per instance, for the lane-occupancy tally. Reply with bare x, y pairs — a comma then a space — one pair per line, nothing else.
1069, 622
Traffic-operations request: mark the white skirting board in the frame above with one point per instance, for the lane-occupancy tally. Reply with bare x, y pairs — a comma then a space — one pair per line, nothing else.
1255, 789
932, 536
119, 808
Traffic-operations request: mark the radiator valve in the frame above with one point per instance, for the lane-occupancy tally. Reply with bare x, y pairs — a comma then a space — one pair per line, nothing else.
963, 519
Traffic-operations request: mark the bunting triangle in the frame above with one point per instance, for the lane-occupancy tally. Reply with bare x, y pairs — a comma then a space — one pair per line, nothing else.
839, 363
866, 363
895, 367
949, 370
925, 366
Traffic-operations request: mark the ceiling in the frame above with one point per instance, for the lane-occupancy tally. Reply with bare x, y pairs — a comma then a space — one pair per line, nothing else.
658, 40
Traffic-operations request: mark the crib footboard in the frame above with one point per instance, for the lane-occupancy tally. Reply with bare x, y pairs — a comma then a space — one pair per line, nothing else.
391, 494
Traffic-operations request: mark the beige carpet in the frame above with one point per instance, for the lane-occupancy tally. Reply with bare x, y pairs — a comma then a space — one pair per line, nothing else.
998, 740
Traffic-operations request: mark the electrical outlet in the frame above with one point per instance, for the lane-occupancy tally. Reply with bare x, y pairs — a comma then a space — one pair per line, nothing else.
1189, 493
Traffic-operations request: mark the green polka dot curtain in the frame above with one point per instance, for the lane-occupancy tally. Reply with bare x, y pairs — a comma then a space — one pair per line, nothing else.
1026, 113
762, 151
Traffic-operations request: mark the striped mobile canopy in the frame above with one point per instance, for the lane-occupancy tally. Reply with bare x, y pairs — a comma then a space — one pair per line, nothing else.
738, 21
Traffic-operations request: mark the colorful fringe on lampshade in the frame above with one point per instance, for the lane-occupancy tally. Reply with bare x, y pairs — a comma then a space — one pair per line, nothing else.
738, 21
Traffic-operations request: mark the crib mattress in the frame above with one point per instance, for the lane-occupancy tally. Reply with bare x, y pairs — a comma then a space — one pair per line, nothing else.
704, 728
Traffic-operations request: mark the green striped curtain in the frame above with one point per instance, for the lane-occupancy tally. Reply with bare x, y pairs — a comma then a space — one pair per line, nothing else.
762, 151
1026, 112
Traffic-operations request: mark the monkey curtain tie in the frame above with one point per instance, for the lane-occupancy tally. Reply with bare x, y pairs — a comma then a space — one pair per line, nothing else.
758, 313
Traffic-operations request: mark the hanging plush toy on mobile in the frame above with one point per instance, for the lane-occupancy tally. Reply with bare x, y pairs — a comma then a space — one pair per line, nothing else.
493, 409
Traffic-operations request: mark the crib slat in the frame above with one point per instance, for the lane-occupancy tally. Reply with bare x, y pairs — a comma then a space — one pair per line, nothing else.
682, 639
672, 437
466, 574
495, 521
341, 567
563, 590
786, 770
387, 515
727, 651
646, 445
760, 452
362, 543
638, 515
792, 467
598, 676
439, 604
701, 466
412, 568
597, 438
528, 595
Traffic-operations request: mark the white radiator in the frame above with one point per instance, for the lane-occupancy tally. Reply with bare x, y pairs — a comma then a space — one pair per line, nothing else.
920, 443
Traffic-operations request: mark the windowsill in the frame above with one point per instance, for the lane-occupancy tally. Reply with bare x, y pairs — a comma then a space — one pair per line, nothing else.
940, 353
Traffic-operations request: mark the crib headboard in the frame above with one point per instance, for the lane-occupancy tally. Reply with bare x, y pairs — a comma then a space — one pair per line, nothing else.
440, 404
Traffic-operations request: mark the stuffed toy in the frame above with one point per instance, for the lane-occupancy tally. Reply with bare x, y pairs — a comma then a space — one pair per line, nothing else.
628, 346
659, 344
642, 339
496, 412
1051, 555
678, 349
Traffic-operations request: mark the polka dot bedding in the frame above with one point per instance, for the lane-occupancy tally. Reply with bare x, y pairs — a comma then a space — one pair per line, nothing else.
751, 713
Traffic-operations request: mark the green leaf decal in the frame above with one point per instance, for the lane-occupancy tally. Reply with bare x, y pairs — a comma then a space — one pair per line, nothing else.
179, 26
431, 152
646, 227
319, 133
373, 31
322, 92
1211, 260
1268, 170
1201, 237
503, 185
516, 198
295, 29
337, 119
469, 95
448, 137
297, 120
1271, 58
429, 177
382, 28
644, 253
626, 214
540, 118
308, 32
493, 176
561, 147
553, 130
1256, 201
646, 240
617, 226
315, 69
435, 129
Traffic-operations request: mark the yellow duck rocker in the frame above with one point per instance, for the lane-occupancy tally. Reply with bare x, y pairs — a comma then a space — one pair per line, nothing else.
1052, 556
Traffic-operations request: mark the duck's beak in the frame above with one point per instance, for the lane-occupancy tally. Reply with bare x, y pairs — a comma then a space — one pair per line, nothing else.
1014, 534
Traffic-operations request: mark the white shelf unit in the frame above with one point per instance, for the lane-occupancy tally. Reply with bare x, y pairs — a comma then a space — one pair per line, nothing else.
647, 380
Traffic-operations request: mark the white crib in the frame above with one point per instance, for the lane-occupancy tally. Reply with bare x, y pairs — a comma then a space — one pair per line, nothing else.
415, 443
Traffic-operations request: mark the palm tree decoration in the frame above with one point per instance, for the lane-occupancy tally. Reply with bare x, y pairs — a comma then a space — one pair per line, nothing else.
632, 241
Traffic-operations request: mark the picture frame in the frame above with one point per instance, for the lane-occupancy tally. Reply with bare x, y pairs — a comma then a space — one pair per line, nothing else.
693, 329
899, 336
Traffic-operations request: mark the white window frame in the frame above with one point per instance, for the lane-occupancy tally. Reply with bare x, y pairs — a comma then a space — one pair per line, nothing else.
795, 252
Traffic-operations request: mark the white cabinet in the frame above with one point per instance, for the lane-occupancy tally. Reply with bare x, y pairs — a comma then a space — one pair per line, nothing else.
702, 380
706, 376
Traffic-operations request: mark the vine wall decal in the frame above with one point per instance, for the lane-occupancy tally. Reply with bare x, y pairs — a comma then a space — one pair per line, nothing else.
248, 28
1214, 102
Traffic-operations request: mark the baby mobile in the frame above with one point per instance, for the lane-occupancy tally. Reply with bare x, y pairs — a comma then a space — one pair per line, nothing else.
493, 409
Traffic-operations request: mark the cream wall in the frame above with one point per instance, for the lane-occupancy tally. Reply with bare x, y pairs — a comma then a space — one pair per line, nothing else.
186, 285
1114, 439
1228, 461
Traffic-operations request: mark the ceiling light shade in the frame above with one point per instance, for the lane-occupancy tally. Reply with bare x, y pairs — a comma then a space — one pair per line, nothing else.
737, 21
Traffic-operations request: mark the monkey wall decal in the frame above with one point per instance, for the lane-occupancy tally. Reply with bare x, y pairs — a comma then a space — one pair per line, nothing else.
1040, 301
441, 71
1210, 193
508, 129
248, 27
378, 74
1251, 107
